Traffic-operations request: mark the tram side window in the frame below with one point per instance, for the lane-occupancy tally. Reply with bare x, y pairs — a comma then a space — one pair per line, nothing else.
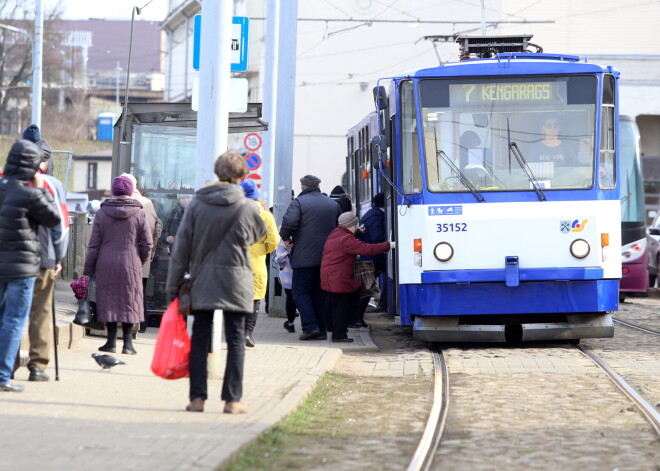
606, 166
410, 165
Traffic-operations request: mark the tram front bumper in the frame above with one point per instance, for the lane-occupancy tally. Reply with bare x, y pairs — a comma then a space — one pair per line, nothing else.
448, 329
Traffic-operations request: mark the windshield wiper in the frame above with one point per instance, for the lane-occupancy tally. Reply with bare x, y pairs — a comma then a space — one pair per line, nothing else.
513, 149
464, 180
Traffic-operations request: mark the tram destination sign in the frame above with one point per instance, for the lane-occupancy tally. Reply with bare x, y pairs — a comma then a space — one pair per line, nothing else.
507, 92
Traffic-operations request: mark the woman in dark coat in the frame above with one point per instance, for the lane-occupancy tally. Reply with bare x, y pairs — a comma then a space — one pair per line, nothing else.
212, 244
120, 243
342, 289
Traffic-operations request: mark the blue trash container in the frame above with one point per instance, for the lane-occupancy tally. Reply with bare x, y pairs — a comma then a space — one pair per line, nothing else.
104, 125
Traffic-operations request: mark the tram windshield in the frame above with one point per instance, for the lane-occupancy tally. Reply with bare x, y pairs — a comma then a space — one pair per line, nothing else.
481, 124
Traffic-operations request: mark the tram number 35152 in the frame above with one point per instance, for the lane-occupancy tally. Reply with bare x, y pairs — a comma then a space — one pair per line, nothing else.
451, 227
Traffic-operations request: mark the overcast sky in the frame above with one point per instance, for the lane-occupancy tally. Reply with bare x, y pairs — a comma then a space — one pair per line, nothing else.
112, 9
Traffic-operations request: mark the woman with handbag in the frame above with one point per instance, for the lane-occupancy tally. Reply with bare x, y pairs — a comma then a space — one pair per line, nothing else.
212, 245
342, 289
120, 243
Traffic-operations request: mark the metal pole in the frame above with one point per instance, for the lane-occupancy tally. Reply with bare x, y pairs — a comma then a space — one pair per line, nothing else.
285, 91
122, 131
483, 18
117, 85
286, 98
270, 98
37, 47
214, 82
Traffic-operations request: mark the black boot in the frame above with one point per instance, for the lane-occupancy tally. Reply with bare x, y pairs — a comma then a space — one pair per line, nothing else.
128, 339
111, 343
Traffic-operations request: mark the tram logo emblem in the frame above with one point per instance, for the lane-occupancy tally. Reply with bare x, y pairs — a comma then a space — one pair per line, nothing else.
445, 210
572, 226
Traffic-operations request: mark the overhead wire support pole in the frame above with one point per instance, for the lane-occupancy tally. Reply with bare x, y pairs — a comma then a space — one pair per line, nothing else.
122, 130
37, 59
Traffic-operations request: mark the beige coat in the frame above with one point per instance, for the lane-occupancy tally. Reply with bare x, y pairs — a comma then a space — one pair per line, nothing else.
155, 227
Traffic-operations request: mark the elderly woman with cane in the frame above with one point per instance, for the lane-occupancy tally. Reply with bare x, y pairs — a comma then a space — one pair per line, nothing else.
212, 245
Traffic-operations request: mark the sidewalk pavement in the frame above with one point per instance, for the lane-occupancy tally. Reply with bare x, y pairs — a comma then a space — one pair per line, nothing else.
127, 418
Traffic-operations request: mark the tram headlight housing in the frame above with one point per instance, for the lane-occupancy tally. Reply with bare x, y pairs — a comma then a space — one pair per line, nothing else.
580, 248
443, 251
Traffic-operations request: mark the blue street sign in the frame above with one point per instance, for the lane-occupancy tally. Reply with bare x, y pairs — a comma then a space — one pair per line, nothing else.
253, 161
239, 42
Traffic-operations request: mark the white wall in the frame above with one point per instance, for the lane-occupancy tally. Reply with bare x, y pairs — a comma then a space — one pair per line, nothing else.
339, 64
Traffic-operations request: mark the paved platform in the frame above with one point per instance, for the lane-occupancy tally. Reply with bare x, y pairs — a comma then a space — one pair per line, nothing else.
127, 418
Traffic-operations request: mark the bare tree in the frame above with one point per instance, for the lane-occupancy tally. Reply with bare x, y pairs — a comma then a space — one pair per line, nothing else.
16, 58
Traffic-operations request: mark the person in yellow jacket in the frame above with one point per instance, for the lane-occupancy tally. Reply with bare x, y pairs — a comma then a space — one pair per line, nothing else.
258, 251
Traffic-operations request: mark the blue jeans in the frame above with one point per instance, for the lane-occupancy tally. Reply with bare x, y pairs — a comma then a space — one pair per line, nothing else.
15, 302
308, 296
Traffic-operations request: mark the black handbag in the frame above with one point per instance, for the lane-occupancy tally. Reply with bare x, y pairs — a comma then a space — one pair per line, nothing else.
86, 314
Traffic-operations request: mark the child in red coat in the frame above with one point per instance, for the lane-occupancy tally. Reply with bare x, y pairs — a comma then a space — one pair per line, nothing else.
342, 289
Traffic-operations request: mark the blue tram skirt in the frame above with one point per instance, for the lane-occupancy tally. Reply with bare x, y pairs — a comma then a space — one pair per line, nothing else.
463, 298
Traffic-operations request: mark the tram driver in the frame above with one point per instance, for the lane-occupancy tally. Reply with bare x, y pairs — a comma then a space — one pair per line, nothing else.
552, 148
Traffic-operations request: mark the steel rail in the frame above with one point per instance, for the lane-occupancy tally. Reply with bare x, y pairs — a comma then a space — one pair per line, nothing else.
635, 326
647, 409
435, 426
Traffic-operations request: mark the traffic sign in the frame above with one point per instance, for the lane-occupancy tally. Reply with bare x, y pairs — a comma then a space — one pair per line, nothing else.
252, 141
239, 42
253, 161
256, 177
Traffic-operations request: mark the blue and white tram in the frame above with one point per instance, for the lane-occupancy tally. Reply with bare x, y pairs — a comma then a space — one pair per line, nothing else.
500, 174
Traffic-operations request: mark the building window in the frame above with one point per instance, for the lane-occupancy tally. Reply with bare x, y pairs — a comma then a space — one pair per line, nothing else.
91, 175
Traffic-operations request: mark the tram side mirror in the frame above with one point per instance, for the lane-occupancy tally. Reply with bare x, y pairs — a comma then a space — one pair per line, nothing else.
377, 148
480, 120
380, 97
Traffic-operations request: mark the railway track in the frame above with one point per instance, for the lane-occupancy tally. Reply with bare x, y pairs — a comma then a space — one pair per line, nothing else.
635, 326
435, 427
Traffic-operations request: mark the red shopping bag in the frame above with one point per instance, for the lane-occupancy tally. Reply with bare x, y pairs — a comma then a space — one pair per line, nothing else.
172, 353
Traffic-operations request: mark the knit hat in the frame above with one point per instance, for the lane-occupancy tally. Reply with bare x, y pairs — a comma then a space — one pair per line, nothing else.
45, 149
122, 186
132, 179
310, 181
337, 192
348, 220
32, 133
250, 188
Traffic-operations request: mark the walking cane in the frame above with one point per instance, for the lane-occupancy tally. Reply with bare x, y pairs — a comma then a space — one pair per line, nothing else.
55, 336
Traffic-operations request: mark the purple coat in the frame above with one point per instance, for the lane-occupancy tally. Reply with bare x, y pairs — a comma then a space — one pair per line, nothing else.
119, 244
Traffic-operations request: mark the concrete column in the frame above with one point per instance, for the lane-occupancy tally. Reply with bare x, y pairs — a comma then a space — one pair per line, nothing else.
214, 80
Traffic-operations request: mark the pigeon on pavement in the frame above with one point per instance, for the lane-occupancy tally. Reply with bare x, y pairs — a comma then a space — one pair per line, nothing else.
106, 361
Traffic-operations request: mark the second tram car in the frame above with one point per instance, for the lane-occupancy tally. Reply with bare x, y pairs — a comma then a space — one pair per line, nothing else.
635, 254
500, 173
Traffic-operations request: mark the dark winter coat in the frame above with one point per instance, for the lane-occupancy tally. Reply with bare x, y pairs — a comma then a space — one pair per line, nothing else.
309, 219
224, 279
22, 210
374, 232
120, 242
339, 255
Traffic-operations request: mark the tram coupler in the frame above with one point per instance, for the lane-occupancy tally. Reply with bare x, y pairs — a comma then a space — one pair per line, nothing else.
512, 271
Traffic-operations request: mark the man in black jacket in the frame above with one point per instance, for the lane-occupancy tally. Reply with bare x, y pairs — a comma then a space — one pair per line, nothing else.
308, 221
24, 205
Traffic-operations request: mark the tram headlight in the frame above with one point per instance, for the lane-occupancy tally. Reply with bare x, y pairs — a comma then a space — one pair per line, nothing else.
580, 248
443, 251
